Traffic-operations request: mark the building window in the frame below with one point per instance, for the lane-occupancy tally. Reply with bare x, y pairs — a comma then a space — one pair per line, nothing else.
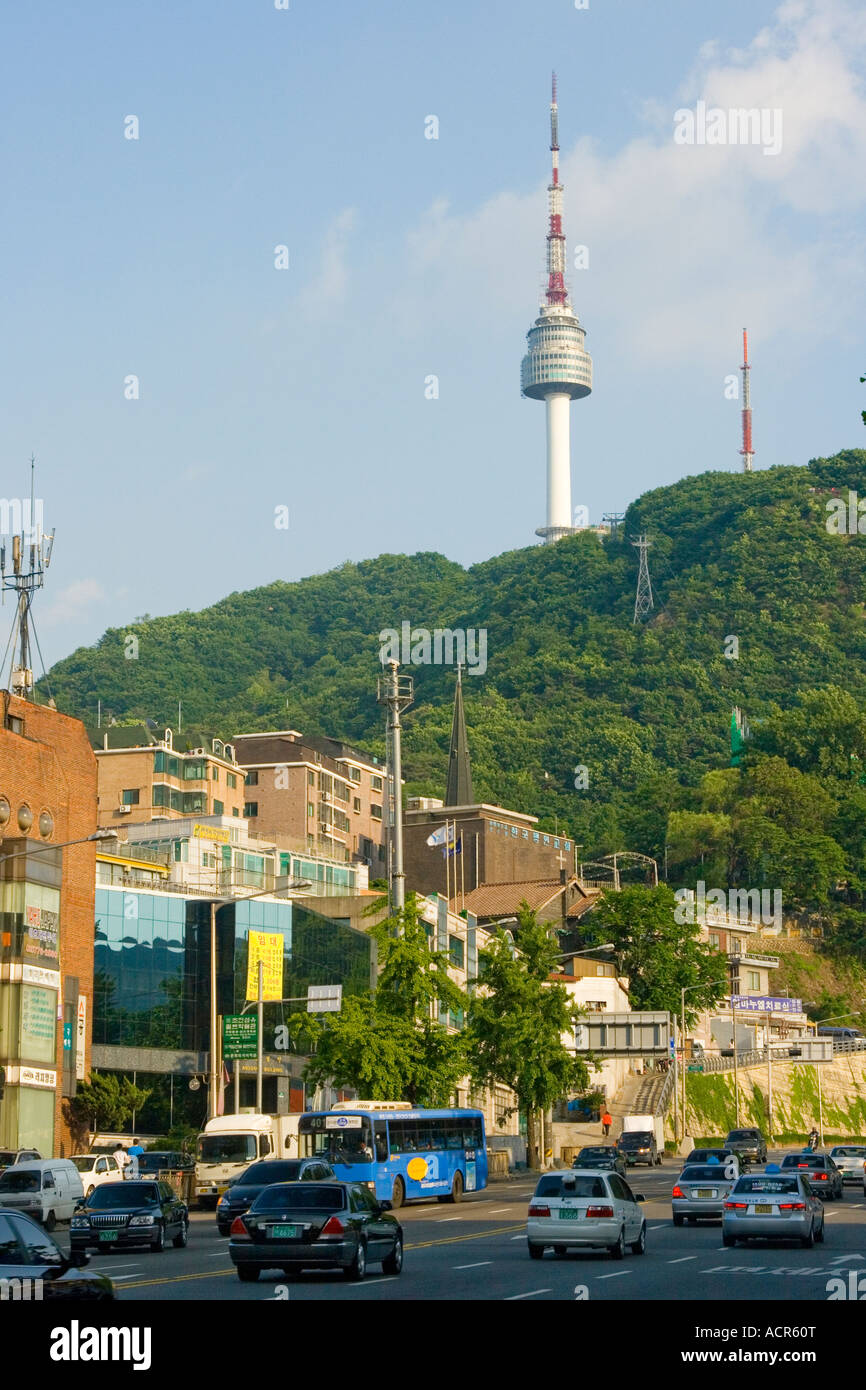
215, 772
311, 779
218, 807
376, 783
376, 812
311, 810
251, 808
455, 950
754, 979
355, 774
236, 812
356, 804
161, 794
714, 940
14, 724
251, 779
231, 779
130, 796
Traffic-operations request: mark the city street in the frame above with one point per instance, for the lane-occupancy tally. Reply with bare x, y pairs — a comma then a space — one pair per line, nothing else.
478, 1251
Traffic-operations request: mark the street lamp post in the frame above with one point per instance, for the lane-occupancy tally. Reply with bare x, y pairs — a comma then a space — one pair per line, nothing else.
683, 992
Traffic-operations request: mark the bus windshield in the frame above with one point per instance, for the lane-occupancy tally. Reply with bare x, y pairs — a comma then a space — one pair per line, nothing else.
337, 1138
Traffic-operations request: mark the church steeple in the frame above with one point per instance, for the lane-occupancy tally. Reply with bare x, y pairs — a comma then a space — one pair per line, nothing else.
459, 789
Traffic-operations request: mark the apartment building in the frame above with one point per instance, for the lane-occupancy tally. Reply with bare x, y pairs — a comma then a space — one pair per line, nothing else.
143, 778
317, 791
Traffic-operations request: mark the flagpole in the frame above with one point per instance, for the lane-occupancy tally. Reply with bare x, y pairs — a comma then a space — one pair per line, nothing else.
447, 865
462, 878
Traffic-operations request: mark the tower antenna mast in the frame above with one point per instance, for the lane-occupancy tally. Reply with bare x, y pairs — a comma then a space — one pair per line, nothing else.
747, 450
556, 369
31, 556
643, 603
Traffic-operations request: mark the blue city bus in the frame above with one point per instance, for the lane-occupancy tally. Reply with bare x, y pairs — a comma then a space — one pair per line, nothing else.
400, 1153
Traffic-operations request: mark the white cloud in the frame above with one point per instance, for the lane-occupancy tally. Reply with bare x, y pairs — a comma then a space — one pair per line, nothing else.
328, 288
72, 603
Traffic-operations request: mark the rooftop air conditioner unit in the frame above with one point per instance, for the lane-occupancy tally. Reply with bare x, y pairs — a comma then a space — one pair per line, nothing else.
123, 809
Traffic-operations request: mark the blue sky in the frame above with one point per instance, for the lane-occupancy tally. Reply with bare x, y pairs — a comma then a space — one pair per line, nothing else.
304, 387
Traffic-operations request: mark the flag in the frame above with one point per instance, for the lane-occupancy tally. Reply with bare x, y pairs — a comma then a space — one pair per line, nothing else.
439, 836
452, 848
221, 1098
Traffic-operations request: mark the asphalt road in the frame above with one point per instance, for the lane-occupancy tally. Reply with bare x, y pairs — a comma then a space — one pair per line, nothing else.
477, 1250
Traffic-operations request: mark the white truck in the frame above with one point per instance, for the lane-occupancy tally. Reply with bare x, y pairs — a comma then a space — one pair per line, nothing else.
643, 1124
230, 1143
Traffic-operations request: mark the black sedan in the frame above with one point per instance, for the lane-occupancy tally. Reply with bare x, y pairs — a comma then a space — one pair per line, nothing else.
306, 1225
160, 1160
244, 1190
126, 1215
601, 1156
34, 1268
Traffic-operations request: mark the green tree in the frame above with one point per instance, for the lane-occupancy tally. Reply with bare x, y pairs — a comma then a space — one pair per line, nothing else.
517, 1018
395, 1044
105, 1102
659, 955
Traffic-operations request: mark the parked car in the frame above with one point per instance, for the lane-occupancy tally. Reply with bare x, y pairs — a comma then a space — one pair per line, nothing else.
700, 1191
601, 1156
850, 1159
638, 1146
748, 1144
318, 1225
582, 1208
96, 1169
45, 1188
130, 1214
726, 1157
162, 1160
774, 1206
10, 1156
28, 1252
821, 1172
244, 1190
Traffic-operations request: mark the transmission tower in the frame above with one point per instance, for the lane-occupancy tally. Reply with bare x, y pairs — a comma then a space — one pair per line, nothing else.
643, 603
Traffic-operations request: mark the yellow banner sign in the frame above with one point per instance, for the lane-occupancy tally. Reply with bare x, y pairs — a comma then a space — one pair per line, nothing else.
266, 947
211, 832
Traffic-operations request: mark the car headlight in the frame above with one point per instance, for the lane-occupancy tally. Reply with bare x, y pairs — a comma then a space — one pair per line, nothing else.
142, 1221
78, 1223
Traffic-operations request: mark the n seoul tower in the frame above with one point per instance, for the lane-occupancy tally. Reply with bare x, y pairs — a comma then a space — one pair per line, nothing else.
557, 369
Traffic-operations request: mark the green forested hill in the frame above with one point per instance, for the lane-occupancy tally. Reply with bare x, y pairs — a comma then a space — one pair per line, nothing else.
570, 680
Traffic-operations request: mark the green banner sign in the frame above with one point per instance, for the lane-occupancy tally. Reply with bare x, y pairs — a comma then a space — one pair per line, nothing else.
240, 1036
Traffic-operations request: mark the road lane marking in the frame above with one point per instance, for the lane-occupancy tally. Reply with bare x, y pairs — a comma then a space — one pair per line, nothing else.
682, 1260
532, 1293
477, 1265
660, 1227
520, 1237
441, 1219
494, 1210
618, 1275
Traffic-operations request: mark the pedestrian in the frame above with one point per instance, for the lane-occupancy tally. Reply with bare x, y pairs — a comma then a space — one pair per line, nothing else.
606, 1122
133, 1153
121, 1158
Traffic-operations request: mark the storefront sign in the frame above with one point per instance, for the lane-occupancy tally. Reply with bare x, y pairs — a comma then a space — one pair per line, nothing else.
266, 947
240, 1036
41, 927
38, 1021
80, 1037
31, 1076
766, 1004
38, 975
211, 832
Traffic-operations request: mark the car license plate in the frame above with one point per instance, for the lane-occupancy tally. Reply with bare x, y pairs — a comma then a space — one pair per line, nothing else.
569, 1213
283, 1232
706, 1192
763, 1209
108, 1235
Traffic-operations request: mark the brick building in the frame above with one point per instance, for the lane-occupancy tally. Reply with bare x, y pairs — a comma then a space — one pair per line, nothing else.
142, 778
318, 792
47, 797
496, 846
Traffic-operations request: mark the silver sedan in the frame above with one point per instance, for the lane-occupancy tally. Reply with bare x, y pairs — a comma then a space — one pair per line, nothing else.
773, 1206
700, 1191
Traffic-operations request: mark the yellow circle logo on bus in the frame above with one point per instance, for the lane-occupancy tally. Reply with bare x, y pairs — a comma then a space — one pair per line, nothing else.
417, 1168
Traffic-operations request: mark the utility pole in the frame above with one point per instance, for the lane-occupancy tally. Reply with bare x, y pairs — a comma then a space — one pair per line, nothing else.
396, 693
643, 603
260, 1027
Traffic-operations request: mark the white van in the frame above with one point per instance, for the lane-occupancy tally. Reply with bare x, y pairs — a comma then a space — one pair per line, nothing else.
47, 1189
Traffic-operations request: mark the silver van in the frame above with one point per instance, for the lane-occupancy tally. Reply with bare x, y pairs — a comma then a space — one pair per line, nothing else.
46, 1188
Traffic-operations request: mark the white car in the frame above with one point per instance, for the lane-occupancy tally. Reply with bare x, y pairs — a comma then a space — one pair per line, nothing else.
585, 1208
850, 1159
96, 1169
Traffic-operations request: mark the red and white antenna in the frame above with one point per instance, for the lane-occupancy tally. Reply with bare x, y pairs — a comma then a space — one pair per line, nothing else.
747, 450
556, 291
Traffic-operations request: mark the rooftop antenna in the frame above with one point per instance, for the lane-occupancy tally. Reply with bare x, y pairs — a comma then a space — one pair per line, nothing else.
643, 603
31, 556
747, 450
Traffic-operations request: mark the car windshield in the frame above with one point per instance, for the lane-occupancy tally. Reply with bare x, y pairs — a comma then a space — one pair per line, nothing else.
601, 1152
83, 1162
154, 1162
553, 1186
595, 1162
275, 1170
114, 1195
802, 1161
635, 1141
849, 1151
763, 1184
7, 1156
738, 1135
703, 1172
308, 1196
16, 1180
227, 1148
701, 1155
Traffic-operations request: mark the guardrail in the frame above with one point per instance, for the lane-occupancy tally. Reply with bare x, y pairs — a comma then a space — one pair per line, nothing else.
848, 1045
661, 1105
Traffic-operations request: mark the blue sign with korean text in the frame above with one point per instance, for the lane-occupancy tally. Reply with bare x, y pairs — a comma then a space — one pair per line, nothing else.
766, 1003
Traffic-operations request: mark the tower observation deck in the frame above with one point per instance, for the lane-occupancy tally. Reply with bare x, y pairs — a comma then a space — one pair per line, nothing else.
557, 369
